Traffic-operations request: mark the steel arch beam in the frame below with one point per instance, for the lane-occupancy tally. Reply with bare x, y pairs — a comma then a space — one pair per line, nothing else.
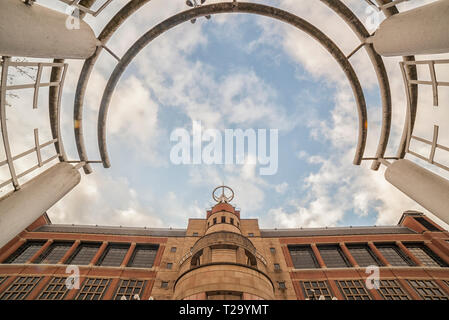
112, 26
382, 77
234, 7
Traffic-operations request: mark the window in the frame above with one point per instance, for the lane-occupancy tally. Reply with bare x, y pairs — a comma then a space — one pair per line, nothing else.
303, 257
173, 249
20, 288
84, 254
164, 284
143, 256
277, 267
425, 255
54, 253
391, 290
25, 252
353, 290
232, 220
169, 265
129, 288
428, 290
93, 289
223, 219
55, 290
273, 250
195, 234
363, 255
333, 257
314, 289
282, 285
426, 224
113, 255
250, 234
394, 255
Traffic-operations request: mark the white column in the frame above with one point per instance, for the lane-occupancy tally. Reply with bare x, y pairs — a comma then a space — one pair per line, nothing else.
19, 209
423, 30
425, 187
39, 32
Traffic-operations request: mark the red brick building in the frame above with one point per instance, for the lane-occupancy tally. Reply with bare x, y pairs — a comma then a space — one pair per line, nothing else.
225, 257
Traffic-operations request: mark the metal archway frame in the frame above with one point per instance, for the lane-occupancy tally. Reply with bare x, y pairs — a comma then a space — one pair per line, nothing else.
234, 7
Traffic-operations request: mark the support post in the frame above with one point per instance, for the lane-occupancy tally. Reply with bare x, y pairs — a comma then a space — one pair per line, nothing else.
423, 30
39, 32
425, 187
19, 209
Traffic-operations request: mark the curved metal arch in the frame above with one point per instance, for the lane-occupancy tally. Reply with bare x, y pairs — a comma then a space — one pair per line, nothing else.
234, 7
106, 34
379, 67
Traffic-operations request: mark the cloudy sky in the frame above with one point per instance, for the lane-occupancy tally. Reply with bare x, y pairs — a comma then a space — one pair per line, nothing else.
235, 71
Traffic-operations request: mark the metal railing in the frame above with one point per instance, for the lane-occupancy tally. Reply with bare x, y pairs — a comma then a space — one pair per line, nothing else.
435, 84
6, 64
76, 3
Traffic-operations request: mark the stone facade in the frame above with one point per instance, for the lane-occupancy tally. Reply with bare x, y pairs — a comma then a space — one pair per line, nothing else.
225, 257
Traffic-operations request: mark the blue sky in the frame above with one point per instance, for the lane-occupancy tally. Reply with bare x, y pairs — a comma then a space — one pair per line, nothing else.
233, 71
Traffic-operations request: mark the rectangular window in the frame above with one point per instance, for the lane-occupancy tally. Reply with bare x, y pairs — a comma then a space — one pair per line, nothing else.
394, 255
173, 249
164, 284
25, 252
143, 256
277, 267
55, 290
353, 290
363, 255
169, 265
84, 254
223, 219
232, 220
282, 285
215, 220
425, 255
93, 289
333, 256
195, 234
303, 257
313, 290
428, 290
54, 253
20, 288
113, 255
426, 224
250, 234
273, 250
129, 289
392, 290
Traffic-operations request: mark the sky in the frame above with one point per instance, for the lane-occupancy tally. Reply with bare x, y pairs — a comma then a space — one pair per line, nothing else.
234, 71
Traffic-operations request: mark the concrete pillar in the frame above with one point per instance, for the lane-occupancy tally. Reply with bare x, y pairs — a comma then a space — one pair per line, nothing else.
19, 209
423, 30
425, 187
39, 32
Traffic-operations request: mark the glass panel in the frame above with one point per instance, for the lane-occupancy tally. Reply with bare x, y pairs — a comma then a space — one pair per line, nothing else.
333, 257
25, 252
84, 254
363, 255
143, 257
113, 255
303, 257
394, 255
54, 253
425, 255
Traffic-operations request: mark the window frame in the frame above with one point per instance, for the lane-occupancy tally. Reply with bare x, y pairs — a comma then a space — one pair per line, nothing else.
307, 248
